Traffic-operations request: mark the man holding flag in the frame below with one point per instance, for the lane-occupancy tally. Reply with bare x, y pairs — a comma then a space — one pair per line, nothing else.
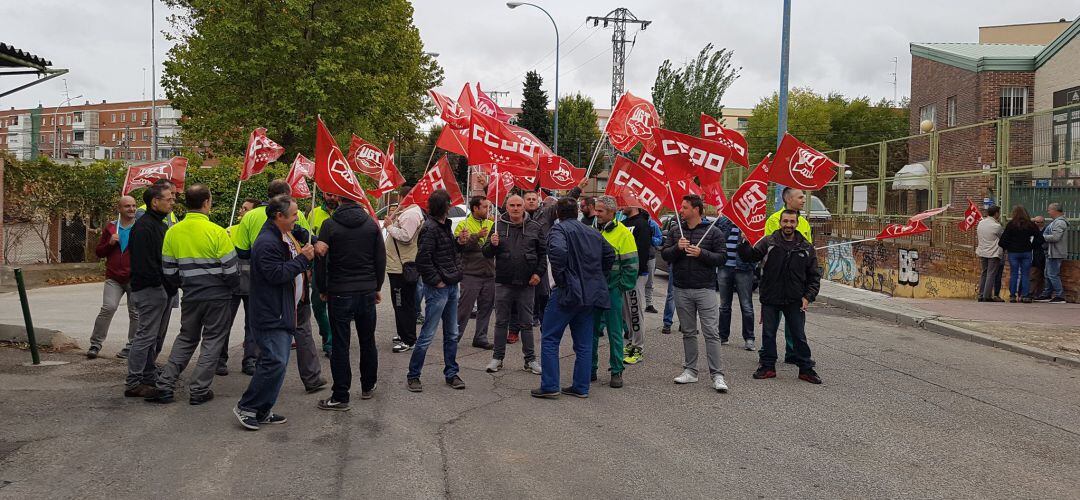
794, 199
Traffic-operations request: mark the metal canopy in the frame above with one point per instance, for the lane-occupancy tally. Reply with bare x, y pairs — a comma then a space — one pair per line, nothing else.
15, 62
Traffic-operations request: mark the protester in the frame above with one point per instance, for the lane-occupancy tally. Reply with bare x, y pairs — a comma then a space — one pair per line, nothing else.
240, 296
1057, 250
790, 280
1036, 277
656, 243
350, 276
151, 293
637, 221
735, 277
478, 271
987, 232
1019, 238
113, 247
621, 279
439, 264
545, 217
588, 216
669, 297
170, 218
319, 214
794, 199
580, 260
402, 232
520, 262
694, 252
278, 263
199, 257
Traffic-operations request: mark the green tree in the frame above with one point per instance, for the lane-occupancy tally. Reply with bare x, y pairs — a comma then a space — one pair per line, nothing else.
578, 130
534, 115
681, 95
279, 63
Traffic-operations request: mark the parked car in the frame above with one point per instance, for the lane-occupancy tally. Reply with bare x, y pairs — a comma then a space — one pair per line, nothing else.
457, 213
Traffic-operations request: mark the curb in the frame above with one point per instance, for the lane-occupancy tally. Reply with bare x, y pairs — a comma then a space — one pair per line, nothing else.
930, 323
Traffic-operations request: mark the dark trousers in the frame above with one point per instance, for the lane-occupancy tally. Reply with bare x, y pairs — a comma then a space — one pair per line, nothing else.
249, 343
556, 319
481, 292
344, 310
265, 385
795, 324
513, 302
154, 308
403, 298
733, 282
990, 277
318, 308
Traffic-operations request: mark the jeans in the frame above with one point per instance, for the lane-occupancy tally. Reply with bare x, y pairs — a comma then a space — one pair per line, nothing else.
110, 301
1052, 273
344, 310
669, 302
1019, 274
556, 319
442, 304
733, 282
990, 277
265, 385
318, 308
513, 301
692, 304
795, 323
403, 298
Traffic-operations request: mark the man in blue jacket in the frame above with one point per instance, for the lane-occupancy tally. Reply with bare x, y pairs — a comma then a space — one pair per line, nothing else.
278, 262
580, 288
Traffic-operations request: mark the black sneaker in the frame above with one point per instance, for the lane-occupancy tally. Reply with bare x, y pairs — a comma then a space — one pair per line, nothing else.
456, 383
221, 371
317, 386
1057, 300
200, 399
331, 405
248, 368
666, 330
368, 394
764, 372
123, 354
247, 419
650, 309
616, 381
542, 394
415, 385
92, 352
809, 376
273, 419
569, 391
160, 397
487, 346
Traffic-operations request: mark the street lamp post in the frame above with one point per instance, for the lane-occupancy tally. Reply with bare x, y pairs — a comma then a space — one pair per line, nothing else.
782, 104
57, 150
514, 5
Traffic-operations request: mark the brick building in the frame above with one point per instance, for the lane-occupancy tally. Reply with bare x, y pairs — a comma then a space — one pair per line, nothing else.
120, 131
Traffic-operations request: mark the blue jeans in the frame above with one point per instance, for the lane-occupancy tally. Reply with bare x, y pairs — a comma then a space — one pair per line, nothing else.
419, 299
669, 302
741, 283
1019, 274
442, 305
1052, 272
262, 391
556, 319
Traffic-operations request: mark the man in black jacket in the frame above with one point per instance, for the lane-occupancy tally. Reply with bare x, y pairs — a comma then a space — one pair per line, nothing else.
790, 279
520, 264
278, 261
694, 253
350, 277
440, 270
150, 292
637, 221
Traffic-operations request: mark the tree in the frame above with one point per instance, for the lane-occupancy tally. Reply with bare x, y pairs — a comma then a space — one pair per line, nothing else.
681, 95
279, 63
534, 115
578, 130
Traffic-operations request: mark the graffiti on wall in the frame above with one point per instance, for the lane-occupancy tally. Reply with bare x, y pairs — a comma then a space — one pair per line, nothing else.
841, 264
908, 267
915, 272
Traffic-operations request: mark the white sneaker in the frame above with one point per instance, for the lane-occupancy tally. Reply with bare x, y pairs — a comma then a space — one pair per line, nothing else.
719, 384
687, 377
534, 367
494, 365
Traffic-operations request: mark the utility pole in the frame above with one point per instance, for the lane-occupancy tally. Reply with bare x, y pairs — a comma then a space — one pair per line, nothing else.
153, 87
894, 68
495, 94
618, 19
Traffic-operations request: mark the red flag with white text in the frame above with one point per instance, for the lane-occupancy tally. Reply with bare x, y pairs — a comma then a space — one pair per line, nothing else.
971, 217
456, 140
685, 155
389, 176
302, 166
800, 166
439, 176
365, 157
450, 111
747, 205
632, 120
712, 130
332, 172
679, 189
557, 173
499, 186
629, 196
139, 176
260, 152
651, 190
909, 228
487, 106
491, 141
298, 186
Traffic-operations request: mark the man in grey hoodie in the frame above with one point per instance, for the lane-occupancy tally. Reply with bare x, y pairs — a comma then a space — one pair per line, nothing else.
1057, 250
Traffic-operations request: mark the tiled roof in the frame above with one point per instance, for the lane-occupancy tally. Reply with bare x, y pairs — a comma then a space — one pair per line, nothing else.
29, 60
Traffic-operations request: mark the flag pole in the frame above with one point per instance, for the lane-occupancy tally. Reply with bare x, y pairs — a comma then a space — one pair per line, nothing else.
709, 229
596, 150
844, 243
232, 217
673, 203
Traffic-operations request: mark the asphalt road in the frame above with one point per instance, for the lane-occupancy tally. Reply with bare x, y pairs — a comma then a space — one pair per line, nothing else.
902, 413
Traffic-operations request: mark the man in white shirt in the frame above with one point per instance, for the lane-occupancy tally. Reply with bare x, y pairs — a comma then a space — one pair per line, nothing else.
402, 231
988, 232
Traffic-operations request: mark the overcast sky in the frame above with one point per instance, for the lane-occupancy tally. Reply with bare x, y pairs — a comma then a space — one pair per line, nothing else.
845, 46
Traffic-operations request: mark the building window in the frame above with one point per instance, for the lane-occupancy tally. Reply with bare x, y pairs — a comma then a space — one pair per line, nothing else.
144, 116
114, 136
133, 116
123, 117
14, 121
113, 119
1013, 101
928, 113
145, 136
79, 135
78, 117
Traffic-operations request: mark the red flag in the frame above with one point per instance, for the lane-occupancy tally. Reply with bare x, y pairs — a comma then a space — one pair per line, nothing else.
712, 130
440, 176
302, 166
389, 176
928, 214
628, 174
747, 207
332, 172
687, 156
260, 151
298, 185
910, 228
971, 217
679, 189
144, 175
450, 111
487, 106
491, 141
365, 157
557, 173
530, 139
499, 186
630, 196
632, 120
800, 166
457, 140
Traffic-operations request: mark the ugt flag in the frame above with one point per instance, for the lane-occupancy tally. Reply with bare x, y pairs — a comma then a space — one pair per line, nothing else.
456, 140
800, 166
365, 157
332, 172
144, 175
389, 176
302, 166
260, 152
557, 173
909, 228
747, 205
632, 120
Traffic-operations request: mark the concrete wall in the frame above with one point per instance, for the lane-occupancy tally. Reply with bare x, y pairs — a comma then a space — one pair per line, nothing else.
1034, 33
1060, 72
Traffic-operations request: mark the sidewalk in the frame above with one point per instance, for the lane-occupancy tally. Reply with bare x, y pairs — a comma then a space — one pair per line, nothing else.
1045, 331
